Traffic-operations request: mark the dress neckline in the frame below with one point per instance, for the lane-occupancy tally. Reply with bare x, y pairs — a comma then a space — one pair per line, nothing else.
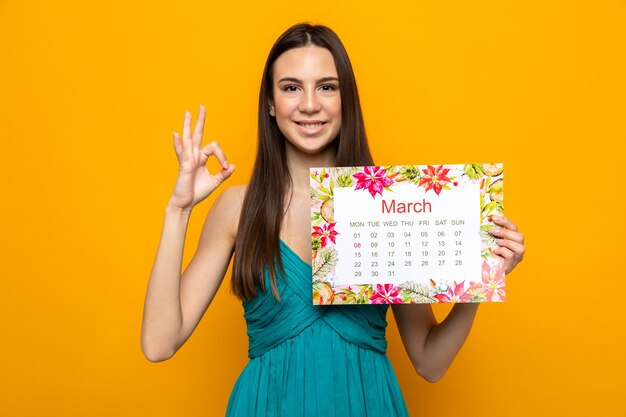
294, 253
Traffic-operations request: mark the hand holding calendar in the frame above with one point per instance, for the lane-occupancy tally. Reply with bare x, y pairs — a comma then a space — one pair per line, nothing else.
510, 241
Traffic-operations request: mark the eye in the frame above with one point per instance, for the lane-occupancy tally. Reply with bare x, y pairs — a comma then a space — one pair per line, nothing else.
290, 88
328, 87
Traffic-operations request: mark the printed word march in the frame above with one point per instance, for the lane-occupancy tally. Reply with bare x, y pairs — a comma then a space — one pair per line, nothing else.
416, 207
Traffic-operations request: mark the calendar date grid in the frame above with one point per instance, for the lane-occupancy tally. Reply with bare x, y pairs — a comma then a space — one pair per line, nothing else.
397, 250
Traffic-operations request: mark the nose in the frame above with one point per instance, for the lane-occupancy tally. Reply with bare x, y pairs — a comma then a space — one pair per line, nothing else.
309, 102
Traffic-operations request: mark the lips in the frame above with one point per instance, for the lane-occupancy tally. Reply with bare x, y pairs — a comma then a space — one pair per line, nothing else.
310, 127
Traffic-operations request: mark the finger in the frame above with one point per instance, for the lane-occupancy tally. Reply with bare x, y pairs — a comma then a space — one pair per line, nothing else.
178, 147
225, 173
496, 253
199, 128
505, 253
186, 132
214, 149
504, 222
510, 258
517, 248
507, 233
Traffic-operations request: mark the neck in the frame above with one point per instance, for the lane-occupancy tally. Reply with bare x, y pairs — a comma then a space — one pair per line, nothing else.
300, 162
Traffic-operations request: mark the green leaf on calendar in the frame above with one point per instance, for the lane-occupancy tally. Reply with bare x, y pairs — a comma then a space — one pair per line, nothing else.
324, 262
474, 171
325, 190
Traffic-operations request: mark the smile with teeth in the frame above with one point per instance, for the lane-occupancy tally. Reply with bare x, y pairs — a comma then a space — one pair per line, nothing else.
310, 125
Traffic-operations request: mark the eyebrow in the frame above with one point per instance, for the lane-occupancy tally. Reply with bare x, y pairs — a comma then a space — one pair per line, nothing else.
321, 80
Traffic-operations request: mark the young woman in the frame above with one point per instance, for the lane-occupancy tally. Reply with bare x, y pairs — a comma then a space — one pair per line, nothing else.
305, 360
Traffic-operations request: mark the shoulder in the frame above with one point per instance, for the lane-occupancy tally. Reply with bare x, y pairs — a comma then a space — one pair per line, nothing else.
233, 195
227, 207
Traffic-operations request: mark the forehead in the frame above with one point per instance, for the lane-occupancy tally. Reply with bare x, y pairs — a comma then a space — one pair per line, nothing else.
307, 62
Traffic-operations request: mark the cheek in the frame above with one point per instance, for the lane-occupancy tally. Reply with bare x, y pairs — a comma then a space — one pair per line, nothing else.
283, 118
337, 109
283, 109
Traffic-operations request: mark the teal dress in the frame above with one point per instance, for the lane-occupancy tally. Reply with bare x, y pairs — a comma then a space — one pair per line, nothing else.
308, 360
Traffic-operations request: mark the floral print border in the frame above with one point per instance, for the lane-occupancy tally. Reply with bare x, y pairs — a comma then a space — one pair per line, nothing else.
379, 179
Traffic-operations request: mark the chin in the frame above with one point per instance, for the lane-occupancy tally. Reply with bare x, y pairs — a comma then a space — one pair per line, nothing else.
313, 150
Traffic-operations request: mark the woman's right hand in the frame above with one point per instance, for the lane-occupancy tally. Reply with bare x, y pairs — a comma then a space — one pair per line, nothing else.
195, 182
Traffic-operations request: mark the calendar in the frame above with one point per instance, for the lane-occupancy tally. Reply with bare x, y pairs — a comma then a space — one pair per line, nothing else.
406, 234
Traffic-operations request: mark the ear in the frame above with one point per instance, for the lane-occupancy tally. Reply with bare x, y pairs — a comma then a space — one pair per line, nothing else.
272, 111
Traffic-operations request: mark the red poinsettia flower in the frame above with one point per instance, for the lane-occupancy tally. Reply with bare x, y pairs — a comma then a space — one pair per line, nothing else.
373, 179
454, 295
385, 294
434, 178
493, 281
326, 232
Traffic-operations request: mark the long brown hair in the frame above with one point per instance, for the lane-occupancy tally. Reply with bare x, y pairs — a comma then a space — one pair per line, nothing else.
257, 244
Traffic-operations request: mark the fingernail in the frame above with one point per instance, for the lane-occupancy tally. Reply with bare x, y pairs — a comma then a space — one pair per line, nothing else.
497, 217
495, 230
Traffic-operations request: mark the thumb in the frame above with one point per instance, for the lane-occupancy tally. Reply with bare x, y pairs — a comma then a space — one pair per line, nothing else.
225, 173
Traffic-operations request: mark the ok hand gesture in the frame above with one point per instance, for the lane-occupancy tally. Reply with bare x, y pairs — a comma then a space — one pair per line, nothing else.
195, 182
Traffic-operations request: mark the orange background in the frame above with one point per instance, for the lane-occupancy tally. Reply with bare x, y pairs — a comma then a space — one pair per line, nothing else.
91, 93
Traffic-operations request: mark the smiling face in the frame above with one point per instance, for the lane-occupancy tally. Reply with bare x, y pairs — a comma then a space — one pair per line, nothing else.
307, 100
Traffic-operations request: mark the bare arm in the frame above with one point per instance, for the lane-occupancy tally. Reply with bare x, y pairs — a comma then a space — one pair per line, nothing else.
432, 346
174, 304
162, 315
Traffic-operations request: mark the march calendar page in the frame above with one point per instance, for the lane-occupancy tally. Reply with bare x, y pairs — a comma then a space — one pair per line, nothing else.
406, 234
